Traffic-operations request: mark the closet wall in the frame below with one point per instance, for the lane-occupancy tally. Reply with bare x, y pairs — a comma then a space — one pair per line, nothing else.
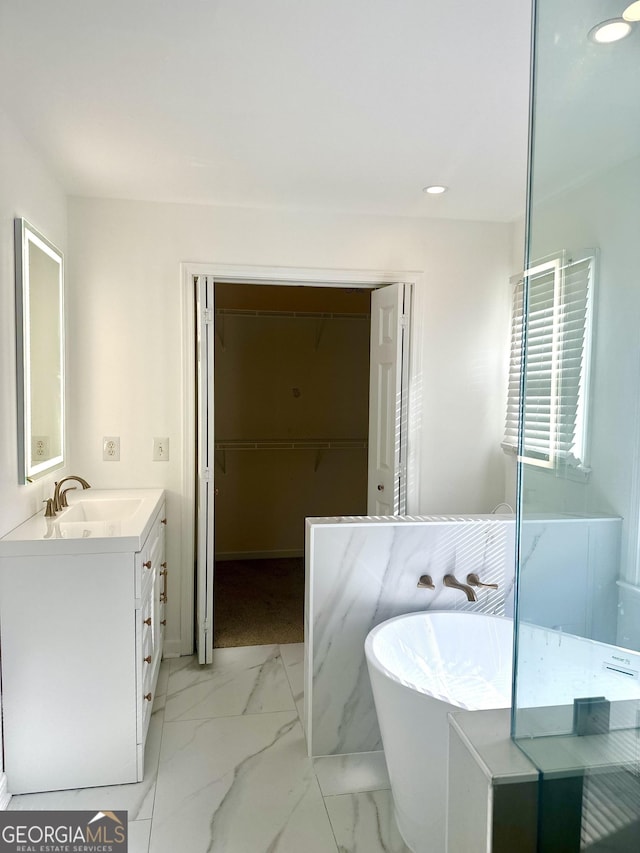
291, 413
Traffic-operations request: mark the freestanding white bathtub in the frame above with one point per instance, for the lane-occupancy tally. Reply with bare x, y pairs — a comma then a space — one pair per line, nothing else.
422, 666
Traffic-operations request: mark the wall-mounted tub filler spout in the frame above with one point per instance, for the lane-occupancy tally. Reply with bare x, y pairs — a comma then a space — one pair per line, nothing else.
453, 583
59, 500
426, 582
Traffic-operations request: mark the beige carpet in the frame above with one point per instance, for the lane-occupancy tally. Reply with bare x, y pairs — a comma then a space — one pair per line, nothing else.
258, 602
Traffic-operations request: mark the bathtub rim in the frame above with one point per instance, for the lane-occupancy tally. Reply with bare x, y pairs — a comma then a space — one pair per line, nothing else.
374, 661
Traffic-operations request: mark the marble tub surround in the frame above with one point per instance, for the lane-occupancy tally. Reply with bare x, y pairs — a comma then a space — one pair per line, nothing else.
361, 572
567, 564
242, 782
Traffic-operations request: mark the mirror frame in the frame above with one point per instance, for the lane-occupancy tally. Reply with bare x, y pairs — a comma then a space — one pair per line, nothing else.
25, 236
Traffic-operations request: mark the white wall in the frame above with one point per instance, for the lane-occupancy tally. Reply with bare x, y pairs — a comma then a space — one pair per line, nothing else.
29, 190
517, 266
26, 189
603, 213
125, 335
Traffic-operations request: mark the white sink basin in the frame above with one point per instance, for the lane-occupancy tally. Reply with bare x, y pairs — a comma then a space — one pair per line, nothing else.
96, 521
101, 509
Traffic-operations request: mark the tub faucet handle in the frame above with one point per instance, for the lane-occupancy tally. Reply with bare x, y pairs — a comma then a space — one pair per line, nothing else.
426, 582
474, 580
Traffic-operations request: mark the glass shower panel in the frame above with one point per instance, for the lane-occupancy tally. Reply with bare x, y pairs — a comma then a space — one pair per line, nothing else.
577, 677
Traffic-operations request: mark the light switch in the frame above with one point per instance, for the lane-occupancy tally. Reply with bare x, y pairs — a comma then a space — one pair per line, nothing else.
161, 449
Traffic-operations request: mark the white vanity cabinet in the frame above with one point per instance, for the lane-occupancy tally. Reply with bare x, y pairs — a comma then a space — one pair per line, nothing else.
81, 626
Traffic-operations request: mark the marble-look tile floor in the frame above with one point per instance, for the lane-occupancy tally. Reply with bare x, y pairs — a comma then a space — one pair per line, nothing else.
226, 769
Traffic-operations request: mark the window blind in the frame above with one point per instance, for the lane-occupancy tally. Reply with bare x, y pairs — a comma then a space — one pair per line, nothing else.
556, 362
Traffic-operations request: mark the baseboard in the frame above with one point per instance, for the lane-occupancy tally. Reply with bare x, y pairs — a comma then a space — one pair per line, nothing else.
5, 796
172, 649
260, 555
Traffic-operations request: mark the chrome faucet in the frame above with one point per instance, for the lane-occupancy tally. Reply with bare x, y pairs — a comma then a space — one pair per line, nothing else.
59, 498
453, 583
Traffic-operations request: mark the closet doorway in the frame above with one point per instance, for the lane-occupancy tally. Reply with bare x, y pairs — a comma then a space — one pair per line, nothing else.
301, 411
291, 385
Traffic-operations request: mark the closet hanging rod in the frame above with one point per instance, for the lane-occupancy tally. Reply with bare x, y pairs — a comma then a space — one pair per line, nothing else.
312, 315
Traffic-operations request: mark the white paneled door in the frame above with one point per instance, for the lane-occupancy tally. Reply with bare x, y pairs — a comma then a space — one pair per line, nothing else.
206, 449
386, 490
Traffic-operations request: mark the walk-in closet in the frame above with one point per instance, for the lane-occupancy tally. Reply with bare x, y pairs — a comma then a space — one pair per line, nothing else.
291, 390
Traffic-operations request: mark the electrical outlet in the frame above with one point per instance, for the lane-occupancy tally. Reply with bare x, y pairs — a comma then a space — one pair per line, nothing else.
111, 448
40, 447
161, 449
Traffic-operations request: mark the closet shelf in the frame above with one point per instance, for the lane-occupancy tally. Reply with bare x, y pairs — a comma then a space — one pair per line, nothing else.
320, 318
320, 445
291, 444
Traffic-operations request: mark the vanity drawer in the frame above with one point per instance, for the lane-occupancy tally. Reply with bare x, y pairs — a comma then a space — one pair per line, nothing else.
148, 558
147, 708
148, 664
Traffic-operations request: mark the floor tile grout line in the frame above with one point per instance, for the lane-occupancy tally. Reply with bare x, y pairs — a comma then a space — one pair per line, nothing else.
293, 710
157, 772
358, 791
286, 672
326, 810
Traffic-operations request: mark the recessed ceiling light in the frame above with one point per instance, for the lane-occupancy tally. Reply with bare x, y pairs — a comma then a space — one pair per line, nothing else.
436, 189
632, 12
610, 31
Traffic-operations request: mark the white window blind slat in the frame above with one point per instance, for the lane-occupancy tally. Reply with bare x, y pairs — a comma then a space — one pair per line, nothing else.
558, 330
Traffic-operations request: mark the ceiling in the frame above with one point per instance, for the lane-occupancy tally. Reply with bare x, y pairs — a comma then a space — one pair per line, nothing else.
350, 105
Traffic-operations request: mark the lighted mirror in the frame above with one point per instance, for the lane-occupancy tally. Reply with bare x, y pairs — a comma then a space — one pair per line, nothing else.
40, 352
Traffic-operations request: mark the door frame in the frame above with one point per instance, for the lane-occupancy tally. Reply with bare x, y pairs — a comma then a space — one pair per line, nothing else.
275, 275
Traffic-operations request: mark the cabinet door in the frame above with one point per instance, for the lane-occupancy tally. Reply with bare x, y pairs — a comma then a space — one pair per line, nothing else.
68, 671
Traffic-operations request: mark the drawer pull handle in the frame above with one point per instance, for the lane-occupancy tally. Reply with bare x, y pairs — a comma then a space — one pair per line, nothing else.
147, 565
163, 622
148, 697
147, 659
147, 621
163, 594
163, 521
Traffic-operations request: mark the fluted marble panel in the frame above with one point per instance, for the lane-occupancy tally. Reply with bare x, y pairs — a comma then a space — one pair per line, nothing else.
364, 823
247, 680
238, 783
361, 573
